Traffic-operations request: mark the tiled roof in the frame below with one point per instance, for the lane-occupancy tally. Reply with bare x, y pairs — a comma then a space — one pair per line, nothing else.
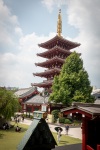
69, 44
92, 109
25, 92
47, 54
43, 84
97, 101
48, 72
37, 100
50, 61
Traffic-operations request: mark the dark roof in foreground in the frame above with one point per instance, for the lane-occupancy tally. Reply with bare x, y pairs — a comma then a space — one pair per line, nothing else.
38, 136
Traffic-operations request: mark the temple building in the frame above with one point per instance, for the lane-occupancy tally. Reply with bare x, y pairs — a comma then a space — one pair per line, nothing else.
57, 50
90, 114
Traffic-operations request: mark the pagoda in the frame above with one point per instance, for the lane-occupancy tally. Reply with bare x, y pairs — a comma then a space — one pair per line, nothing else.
57, 50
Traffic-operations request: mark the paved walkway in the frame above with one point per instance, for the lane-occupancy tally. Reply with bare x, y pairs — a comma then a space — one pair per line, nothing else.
73, 131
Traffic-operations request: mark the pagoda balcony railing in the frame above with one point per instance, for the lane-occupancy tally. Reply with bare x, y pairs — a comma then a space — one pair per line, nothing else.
44, 80
50, 79
54, 67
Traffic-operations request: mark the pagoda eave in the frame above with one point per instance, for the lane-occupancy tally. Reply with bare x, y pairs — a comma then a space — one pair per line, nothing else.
52, 61
50, 72
45, 84
54, 50
57, 39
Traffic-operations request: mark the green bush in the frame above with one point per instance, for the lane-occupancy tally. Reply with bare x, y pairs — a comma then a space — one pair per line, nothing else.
61, 120
68, 121
31, 116
56, 114
76, 122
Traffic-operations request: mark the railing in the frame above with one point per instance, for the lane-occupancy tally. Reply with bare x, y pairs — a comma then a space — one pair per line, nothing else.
89, 147
98, 147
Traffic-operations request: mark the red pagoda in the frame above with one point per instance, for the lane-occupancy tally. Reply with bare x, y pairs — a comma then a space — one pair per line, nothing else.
58, 49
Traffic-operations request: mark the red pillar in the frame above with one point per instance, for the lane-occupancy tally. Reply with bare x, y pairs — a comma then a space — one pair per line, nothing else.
98, 147
32, 108
84, 133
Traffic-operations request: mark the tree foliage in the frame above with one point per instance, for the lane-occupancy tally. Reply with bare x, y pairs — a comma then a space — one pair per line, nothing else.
8, 103
73, 82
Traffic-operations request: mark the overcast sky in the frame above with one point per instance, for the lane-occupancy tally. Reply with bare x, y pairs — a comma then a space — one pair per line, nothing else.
26, 23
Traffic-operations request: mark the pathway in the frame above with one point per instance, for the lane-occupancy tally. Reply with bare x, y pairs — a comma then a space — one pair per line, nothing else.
75, 132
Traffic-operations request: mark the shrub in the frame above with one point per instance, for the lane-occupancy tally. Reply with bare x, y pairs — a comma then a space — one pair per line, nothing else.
61, 120
56, 114
68, 121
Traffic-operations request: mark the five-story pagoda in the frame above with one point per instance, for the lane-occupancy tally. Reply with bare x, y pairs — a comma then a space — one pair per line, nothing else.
58, 49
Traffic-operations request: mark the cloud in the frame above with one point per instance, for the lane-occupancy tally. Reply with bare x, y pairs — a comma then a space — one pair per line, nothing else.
9, 28
84, 15
18, 51
50, 4
17, 67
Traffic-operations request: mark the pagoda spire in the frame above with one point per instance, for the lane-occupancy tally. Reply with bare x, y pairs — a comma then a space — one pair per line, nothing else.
59, 24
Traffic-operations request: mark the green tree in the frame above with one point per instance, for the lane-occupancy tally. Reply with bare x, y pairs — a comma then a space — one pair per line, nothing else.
73, 83
8, 103
56, 114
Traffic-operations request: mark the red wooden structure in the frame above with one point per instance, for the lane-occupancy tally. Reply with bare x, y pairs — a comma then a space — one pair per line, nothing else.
90, 123
31, 100
58, 49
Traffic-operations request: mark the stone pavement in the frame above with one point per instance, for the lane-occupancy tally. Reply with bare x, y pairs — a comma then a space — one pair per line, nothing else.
73, 131
69, 147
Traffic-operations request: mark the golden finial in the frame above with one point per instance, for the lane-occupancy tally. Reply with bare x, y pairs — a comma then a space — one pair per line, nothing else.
59, 24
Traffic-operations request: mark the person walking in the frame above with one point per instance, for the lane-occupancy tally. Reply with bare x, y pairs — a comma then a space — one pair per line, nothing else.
22, 118
58, 135
67, 129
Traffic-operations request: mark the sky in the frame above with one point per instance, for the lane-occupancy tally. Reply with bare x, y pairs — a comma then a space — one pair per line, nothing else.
26, 23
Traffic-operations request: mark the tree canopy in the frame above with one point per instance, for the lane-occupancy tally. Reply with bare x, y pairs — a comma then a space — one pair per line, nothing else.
72, 85
8, 103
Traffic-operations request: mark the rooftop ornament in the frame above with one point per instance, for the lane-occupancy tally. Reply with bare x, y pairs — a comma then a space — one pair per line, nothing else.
59, 24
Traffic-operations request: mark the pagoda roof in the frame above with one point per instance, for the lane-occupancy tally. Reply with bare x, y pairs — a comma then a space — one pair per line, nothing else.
44, 84
49, 72
54, 51
50, 62
59, 40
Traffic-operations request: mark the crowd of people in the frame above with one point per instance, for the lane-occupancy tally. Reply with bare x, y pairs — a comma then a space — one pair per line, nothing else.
6, 126
16, 119
19, 118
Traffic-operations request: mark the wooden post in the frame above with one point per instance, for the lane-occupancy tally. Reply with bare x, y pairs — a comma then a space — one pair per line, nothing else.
84, 133
98, 147
89, 147
32, 108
